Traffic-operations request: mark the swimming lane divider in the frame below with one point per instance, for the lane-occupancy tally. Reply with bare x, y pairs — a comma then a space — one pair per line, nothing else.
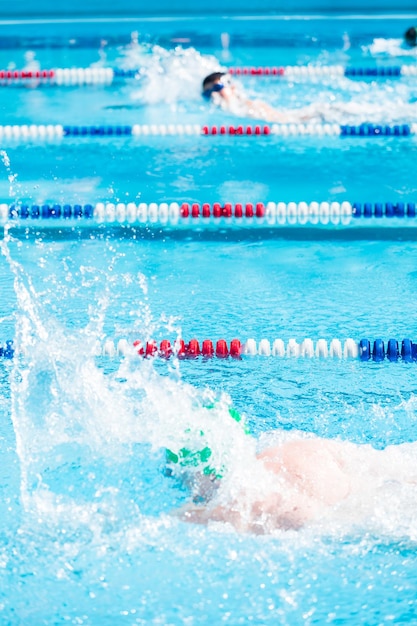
107, 75
58, 131
206, 214
364, 350
312, 71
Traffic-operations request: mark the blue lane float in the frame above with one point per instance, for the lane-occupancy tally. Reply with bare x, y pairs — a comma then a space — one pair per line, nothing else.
389, 71
405, 350
92, 131
387, 209
376, 130
7, 349
50, 212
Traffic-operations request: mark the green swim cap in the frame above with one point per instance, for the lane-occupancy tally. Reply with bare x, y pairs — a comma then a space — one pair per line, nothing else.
194, 458
188, 458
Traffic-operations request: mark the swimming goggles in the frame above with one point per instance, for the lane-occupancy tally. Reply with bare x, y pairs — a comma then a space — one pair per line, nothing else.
216, 88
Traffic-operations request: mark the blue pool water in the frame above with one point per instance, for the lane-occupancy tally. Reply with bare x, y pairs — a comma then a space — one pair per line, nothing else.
88, 526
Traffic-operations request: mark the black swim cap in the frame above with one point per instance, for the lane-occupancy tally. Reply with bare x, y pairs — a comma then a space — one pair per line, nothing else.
410, 36
211, 78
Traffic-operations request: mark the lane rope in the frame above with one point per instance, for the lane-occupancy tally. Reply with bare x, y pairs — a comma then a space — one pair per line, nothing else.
29, 132
207, 214
364, 349
60, 76
313, 71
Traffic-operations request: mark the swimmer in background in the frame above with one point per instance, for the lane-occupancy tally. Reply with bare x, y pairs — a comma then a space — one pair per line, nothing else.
218, 88
410, 36
302, 481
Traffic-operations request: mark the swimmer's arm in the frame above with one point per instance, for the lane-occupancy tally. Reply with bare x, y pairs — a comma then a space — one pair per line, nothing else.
203, 514
259, 517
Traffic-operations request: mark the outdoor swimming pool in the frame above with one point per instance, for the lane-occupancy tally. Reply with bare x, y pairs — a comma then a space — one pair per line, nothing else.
87, 530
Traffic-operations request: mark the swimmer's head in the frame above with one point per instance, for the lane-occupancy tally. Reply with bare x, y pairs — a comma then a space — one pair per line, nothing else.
410, 36
212, 83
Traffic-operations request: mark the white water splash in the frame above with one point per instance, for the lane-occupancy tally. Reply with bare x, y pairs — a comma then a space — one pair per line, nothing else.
390, 48
31, 62
168, 76
14, 186
67, 411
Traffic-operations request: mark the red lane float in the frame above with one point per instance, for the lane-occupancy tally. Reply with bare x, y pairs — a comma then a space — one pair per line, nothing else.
221, 349
165, 349
19, 74
257, 71
139, 348
151, 349
235, 348
236, 130
208, 348
190, 350
226, 210
193, 349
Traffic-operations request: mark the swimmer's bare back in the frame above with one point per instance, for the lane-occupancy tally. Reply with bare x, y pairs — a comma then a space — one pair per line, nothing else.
305, 477
307, 480
316, 467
